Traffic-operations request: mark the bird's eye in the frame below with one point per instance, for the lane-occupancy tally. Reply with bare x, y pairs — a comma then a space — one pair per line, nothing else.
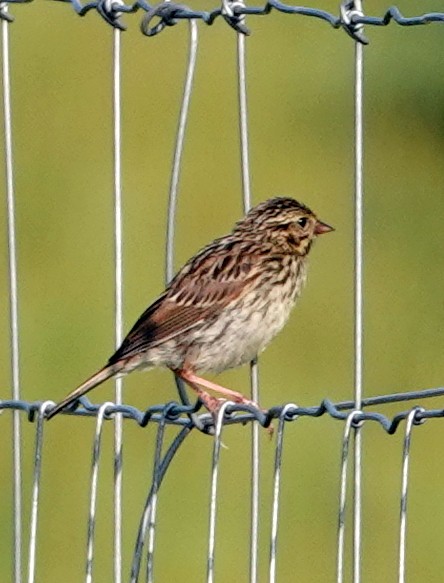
302, 221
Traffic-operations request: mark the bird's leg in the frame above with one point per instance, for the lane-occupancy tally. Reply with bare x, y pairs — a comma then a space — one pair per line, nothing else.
210, 402
191, 379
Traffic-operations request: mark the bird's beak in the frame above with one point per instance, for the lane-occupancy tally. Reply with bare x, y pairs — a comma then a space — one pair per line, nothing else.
322, 228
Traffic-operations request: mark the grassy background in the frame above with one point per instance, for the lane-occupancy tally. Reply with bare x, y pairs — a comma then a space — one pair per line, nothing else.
300, 85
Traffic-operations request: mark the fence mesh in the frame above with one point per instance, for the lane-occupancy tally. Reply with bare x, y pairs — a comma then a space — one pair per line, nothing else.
137, 550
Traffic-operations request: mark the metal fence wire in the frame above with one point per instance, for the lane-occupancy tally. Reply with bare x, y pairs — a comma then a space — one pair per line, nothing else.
184, 416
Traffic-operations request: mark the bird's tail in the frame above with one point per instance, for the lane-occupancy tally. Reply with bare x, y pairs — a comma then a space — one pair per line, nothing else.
99, 377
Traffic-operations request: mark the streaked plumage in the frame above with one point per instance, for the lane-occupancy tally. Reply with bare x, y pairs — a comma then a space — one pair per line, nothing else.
225, 304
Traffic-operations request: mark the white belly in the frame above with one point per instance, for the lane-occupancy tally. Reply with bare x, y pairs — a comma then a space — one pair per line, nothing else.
239, 342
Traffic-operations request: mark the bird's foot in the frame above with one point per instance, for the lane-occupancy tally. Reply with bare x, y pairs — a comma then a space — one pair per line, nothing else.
213, 404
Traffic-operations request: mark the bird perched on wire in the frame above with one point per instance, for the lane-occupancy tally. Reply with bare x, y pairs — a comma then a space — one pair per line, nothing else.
225, 304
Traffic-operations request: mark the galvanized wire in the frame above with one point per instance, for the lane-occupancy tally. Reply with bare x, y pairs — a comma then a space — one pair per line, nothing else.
177, 413
356, 9
410, 422
228, 7
170, 13
33, 524
13, 300
213, 495
118, 283
343, 494
193, 45
160, 474
154, 493
178, 152
97, 448
255, 477
277, 491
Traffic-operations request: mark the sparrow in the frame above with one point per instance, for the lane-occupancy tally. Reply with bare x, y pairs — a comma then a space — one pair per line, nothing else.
224, 306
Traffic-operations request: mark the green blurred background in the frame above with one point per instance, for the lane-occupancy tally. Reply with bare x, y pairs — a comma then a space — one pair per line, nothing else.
300, 86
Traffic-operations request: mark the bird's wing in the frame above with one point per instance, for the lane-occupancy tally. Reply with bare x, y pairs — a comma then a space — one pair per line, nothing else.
202, 289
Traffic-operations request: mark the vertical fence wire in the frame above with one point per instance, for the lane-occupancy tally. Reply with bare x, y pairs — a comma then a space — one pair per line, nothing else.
176, 169
144, 521
13, 302
343, 497
254, 372
255, 476
169, 261
178, 152
243, 122
404, 491
277, 491
155, 492
97, 446
118, 429
36, 490
149, 515
359, 196
213, 494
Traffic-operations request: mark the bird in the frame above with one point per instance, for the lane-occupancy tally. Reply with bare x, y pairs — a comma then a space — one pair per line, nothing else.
224, 305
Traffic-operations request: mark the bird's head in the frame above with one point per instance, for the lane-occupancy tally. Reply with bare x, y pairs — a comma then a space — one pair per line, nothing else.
284, 222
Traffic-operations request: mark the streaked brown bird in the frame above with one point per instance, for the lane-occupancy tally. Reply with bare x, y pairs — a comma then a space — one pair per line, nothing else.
225, 304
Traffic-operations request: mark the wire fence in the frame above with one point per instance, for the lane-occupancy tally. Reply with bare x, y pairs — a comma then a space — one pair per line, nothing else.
186, 416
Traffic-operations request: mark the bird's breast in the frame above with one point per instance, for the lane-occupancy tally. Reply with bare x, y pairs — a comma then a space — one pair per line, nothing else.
247, 326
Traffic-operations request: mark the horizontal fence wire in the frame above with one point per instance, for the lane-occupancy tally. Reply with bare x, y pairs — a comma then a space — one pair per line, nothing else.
169, 13
175, 413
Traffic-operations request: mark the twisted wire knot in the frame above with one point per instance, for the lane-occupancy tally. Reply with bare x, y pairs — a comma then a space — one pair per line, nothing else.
166, 12
111, 11
349, 10
4, 14
231, 11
